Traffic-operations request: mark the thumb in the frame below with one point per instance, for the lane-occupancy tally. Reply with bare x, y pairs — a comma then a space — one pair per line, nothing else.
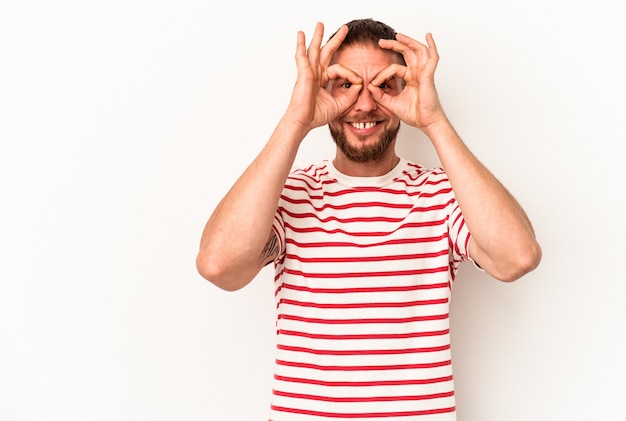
380, 96
350, 96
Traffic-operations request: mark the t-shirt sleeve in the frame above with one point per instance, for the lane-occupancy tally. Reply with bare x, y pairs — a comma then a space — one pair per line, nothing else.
278, 226
460, 237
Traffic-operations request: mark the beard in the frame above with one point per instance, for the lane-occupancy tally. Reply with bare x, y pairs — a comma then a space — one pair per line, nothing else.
364, 153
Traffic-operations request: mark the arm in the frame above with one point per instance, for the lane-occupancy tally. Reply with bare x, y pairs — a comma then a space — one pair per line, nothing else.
238, 240
503, 240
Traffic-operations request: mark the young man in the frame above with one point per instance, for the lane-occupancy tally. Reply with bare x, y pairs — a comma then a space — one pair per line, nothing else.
366, 246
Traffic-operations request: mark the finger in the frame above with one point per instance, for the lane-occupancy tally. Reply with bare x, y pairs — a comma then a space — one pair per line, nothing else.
314, 49
401, 44
333, 45
432, 47
388, 73
337, 71
344, 102
383, 98
301, 58
410, 49
378, 94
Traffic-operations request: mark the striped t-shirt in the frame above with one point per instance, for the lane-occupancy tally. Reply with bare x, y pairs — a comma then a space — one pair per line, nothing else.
362, 285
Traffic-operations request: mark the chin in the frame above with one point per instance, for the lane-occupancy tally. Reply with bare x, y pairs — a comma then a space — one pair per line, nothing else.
364, 151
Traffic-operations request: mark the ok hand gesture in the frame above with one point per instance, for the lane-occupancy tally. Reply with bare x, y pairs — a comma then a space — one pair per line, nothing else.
418, 103
311, 104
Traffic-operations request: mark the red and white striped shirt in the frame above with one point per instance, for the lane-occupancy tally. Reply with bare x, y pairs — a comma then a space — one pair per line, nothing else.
363, 283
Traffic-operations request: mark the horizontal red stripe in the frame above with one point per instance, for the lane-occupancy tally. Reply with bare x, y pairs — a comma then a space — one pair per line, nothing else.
366, 219
363, 336
361, 259
402, 288
377, 218
426, 176
424, 194
310, 229
363, 415
364, 367
316, 186
398, 241
304, 215
366, 274
420, 170
365, 305
363, 399
363, 321
385, 205
356, 190
363, 351
363, 205
408, 382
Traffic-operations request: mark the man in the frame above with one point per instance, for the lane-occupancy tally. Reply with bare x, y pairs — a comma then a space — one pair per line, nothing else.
365, 247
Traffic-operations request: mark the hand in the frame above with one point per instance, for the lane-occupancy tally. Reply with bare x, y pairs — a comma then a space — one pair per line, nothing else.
311, 104
418, 104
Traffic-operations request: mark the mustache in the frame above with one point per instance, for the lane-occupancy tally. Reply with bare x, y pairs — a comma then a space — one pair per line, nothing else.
365, 117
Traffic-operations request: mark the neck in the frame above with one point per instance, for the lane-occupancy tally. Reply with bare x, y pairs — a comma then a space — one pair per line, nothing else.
375, 168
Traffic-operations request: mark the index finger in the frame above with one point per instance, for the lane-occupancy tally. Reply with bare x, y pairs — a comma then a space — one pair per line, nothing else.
339, 72
388, 73
333, 45
404, 44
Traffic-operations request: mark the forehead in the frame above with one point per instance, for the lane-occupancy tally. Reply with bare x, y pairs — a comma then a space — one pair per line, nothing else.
365, 60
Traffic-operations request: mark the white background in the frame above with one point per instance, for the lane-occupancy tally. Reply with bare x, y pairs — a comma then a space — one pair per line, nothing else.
123, 122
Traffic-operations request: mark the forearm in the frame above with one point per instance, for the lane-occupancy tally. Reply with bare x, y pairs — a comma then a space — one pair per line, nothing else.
503, 240
236, 233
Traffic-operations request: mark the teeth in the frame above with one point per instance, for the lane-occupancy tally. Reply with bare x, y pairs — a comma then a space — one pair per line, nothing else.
362, 126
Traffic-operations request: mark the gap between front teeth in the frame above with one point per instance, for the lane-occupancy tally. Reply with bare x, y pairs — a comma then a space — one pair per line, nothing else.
363, 125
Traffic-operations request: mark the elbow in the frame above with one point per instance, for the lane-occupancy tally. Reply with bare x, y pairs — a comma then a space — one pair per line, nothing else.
523, 262
214, 270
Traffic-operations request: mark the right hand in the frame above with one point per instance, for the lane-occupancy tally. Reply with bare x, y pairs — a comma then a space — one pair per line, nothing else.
311, 104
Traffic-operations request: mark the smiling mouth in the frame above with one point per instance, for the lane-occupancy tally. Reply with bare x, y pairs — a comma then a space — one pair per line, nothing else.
363, 125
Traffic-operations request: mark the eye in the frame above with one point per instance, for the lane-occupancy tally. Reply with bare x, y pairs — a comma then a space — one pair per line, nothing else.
384, 85
346, 85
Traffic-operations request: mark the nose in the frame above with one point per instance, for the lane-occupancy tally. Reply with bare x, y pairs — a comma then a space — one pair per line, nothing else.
365, 102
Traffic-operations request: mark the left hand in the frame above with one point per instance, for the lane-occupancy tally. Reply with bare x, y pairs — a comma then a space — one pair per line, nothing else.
418, 104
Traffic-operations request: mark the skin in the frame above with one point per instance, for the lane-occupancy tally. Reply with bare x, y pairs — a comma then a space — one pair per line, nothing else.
367, 62
343, 87
367, 156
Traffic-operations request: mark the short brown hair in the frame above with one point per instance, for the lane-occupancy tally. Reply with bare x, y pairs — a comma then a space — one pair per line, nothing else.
368, 32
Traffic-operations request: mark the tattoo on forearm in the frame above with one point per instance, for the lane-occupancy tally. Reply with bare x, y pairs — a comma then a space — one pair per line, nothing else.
270, 250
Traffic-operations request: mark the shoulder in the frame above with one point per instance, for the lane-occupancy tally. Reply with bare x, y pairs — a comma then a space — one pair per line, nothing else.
313, 172
313, 177
416, 175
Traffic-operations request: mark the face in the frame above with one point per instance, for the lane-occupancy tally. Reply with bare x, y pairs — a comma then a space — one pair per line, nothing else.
366, 130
